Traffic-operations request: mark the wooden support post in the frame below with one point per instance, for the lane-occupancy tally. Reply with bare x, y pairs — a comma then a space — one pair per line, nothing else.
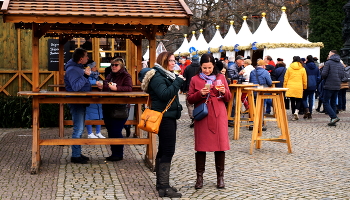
36, 138
35, 58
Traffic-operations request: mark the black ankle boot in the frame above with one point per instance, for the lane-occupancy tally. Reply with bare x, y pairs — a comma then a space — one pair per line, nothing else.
163, 178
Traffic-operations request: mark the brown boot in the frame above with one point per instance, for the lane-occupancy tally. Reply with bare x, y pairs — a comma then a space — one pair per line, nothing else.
200, 168
220, 167
306, 113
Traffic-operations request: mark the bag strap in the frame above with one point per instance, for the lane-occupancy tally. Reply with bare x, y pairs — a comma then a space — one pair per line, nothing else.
206, 101
169, 104
166, 108
256, 74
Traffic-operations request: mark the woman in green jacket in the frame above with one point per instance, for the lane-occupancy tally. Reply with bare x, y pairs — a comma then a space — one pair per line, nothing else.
162, 85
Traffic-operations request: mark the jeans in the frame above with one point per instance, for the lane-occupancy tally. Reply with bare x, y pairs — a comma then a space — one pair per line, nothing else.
308, 99
114, 128
342, 99
330, 102
78, 116
167, 140
268, 104
89, 129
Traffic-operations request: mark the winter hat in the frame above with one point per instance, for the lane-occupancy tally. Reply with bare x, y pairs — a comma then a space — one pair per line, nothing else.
195, 58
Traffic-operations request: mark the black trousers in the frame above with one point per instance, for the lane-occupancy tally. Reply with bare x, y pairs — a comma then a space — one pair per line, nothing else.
295, 103
167, 140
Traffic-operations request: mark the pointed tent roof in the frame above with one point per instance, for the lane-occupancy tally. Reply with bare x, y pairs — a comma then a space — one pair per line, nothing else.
217, 40
284, 33
193, 41
146, 55
201, 42
244, 36
263, 33
184, 48
160, 48
231, 36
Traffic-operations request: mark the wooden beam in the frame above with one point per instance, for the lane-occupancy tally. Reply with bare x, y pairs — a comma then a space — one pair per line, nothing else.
97, 20
100, 141
9, 81
152, 47
98, 122
139, 63
61, 43
35, 59
19, 58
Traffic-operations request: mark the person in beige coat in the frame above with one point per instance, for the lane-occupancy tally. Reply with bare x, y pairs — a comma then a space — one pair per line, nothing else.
296, 80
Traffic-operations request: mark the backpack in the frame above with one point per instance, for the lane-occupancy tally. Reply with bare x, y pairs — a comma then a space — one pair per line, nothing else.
346, 74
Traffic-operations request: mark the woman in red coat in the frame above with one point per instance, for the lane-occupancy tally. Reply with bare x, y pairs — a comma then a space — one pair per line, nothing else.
211, 133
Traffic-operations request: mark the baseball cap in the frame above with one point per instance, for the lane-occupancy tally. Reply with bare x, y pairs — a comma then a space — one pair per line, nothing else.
239, 57
279, 59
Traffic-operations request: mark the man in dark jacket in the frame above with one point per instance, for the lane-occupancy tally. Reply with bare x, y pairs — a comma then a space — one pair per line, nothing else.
76, 80
332, 73
313, 77
189, 72
234, 67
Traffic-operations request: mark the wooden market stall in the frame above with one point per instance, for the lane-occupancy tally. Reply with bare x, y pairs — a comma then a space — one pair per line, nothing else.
64, 19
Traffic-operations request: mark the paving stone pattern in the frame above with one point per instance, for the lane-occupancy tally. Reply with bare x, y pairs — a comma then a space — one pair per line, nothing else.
318, 168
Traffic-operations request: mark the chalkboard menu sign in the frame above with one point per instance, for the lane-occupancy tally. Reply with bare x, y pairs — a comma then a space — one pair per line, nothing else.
53, 47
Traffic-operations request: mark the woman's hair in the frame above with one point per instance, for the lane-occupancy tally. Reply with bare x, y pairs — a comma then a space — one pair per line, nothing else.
206, 58
120, 61
310, 58
280, 64
296, 59
163, 59
247, 61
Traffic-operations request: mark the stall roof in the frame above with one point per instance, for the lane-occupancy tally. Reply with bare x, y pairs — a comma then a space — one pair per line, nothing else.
73, 17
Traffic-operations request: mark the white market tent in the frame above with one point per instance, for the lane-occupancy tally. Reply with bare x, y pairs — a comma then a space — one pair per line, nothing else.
202, 44
217, 42
193, 41
281, 42
146, 55
160, 48
184, 48
245, 36
230, 39
283, 33
263, 33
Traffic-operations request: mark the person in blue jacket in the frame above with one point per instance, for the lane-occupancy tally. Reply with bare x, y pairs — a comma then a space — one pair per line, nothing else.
76, 80
313, 77
261, 76
94, 111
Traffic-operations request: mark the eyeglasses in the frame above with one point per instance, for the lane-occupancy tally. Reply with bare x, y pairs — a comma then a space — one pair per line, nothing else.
172, 60
114, 65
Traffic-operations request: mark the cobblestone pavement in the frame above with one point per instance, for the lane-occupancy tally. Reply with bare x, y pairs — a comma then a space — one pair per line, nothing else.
318, 168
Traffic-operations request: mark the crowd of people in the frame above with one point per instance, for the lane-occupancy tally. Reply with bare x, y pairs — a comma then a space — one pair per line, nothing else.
203, 79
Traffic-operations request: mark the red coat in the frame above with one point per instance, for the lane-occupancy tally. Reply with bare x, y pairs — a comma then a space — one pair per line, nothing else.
210, 133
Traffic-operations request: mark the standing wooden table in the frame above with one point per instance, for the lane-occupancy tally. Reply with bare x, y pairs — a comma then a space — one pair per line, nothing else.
61, 97
236, 91
277, 94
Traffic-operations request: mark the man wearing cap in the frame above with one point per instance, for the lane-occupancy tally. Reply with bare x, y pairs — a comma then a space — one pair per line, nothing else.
189, 72
235, 72
235, 67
